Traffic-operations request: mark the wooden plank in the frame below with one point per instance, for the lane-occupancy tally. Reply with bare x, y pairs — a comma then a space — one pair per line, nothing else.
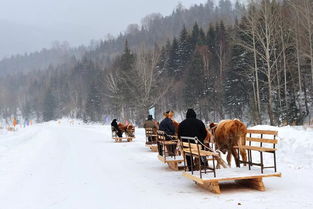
256, 183
268, 132
261, 149
193, 177
192, 145
123, 137
173, 165
198, 179
272, 141
202, 152
120, 139
154, 148
168, 142
211, 186
161, 158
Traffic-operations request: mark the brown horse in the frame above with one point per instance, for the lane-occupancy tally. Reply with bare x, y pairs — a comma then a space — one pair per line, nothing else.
209, 139
129, 129
230, 133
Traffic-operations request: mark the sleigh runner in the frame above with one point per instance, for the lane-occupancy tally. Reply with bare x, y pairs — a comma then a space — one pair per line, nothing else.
243, 176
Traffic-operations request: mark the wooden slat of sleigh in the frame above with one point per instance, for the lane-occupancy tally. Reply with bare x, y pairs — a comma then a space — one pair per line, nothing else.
168, 142
272, 141
268, 132
194, 151
193, 146
261, 149
123, 137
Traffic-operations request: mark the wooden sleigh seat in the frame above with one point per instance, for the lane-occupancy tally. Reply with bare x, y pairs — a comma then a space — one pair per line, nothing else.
151, 139
171, 156
262, 141
202, 157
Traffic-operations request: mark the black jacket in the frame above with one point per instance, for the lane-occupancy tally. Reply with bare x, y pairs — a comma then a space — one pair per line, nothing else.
167, 126
192, 126
114, 124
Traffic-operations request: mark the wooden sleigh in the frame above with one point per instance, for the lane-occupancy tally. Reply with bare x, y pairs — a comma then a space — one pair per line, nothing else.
151, 139
121, 139
172, 158
248, 176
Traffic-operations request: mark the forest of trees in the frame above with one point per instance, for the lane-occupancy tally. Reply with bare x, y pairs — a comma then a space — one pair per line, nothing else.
253, 62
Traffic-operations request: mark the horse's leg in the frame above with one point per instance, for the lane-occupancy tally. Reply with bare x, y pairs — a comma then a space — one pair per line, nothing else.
243, 154
229, 152
235, 154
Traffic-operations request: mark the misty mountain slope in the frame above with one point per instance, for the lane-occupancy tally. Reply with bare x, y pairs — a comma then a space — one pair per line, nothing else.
157, 29
154, 29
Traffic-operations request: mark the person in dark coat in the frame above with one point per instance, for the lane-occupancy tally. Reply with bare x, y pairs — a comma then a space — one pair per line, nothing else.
117, 130
168, 127
150, 123
192, 127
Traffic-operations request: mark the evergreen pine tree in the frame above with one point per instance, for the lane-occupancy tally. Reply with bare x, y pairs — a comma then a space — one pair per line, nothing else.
193, 90
49, 106
93, 104
126, 64
173, 59
195, 34
184, 50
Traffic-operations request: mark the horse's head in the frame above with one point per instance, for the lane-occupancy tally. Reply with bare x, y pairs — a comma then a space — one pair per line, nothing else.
130, 130
212, 127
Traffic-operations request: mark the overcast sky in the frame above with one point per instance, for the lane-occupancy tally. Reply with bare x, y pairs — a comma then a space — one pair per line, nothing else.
28, 25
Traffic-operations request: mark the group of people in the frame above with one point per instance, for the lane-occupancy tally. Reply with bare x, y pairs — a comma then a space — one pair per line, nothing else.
190, 127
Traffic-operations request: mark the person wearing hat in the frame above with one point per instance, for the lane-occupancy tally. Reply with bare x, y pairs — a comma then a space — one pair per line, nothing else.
168, 127
116, 129
192, 127
150, 123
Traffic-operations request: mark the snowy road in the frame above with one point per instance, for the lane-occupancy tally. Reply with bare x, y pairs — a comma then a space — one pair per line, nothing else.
63, 166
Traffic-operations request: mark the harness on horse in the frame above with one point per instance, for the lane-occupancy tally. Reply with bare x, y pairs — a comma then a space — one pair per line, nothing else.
127, 130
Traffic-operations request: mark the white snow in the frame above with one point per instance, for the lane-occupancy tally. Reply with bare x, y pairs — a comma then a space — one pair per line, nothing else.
76, 166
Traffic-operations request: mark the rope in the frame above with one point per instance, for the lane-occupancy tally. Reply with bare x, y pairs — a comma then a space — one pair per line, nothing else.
218, 152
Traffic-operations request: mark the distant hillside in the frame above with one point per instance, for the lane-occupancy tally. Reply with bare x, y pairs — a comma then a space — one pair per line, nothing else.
154, 29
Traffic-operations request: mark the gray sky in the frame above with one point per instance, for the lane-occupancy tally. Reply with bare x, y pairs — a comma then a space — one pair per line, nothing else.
28, 25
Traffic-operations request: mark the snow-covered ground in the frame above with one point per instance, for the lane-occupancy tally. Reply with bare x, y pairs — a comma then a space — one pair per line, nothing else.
76, 166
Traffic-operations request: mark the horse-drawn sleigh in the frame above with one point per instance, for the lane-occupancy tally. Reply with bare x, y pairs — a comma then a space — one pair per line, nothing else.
128, 130
233, 138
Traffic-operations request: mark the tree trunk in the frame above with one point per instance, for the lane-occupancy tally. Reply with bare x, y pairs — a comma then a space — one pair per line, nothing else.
258, 103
